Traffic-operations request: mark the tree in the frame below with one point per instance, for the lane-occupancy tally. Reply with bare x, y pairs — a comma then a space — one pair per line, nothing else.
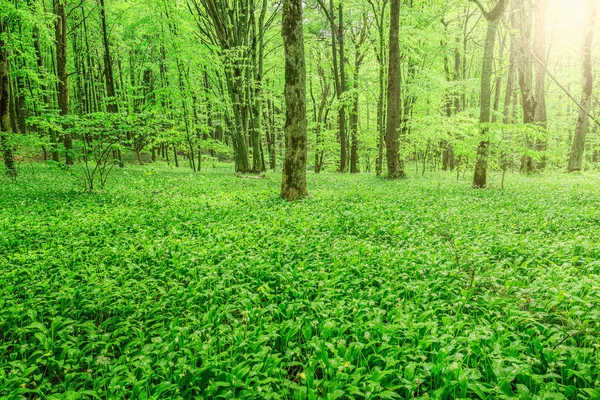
394, 112
379, 15
583, 121
60, 25
293, 185
5, 125
539, 48
113, 105
358, 39
228, 26
493, 18
339, 73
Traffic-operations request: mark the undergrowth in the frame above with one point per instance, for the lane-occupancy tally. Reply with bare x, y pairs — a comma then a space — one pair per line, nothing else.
172, 285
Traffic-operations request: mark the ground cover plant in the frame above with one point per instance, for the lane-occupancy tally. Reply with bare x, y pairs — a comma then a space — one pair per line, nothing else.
171, 285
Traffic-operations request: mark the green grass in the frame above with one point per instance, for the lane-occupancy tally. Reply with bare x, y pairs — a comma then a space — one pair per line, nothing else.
172, 285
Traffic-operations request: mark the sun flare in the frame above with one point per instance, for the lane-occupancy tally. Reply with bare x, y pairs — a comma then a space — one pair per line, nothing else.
567, 19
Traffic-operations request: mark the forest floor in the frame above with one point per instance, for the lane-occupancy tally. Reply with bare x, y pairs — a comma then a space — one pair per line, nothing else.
174, 285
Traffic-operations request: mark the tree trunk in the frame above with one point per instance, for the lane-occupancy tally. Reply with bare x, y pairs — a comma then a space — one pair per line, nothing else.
342, 116
5, 125
358, 58
112, 106
61, 72
354, 127
583, 121
525, 72
539, 49
493, 18
394, 97
258, 161
379, 14
293, 185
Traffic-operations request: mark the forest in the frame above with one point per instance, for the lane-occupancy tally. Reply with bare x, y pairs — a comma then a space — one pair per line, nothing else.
299, 199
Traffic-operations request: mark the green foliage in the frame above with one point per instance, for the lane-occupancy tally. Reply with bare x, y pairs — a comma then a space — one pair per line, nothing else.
172, 285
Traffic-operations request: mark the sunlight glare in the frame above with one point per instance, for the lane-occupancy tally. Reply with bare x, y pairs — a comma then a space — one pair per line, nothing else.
566, 21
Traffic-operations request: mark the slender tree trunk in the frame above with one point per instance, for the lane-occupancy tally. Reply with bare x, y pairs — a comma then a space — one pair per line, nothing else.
43, 87
498, 84
112, 105
510, 79
394, 97
354, 168
541, 117
379, 14
342, 112
493, 18
258, 159
293, 185
525, 72
583, 121
5, 125
271, 145
175, 156
61, 72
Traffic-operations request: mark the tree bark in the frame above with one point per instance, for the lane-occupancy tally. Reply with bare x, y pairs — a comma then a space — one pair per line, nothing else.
525, 73
343, 134
5, 124
379, 14
539, 49
112, 106
493, 18
60, 26
394, 112
293, 184
583, 121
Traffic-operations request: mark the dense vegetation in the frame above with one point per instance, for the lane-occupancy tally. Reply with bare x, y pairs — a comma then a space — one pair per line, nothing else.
497, 82
176, 285
146, 252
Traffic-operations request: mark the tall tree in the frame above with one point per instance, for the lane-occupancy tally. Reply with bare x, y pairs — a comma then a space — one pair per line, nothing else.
493, 18
60, 28
394, 96
339, 73
112, 106
358, 39
379, 8
539, 49
227, 25
293, 185
5, 125
583, 121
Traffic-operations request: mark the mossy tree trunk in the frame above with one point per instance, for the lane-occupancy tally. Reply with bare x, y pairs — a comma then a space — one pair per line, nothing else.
394, 112
583, 121
493, 18
293, 185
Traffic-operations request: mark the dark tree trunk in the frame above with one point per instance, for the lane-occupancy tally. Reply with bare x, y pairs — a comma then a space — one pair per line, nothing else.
61, 72
112, 106
394, 113
5, 125
293, 185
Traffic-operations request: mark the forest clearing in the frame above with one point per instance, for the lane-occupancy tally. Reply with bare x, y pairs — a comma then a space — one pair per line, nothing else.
299, 199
